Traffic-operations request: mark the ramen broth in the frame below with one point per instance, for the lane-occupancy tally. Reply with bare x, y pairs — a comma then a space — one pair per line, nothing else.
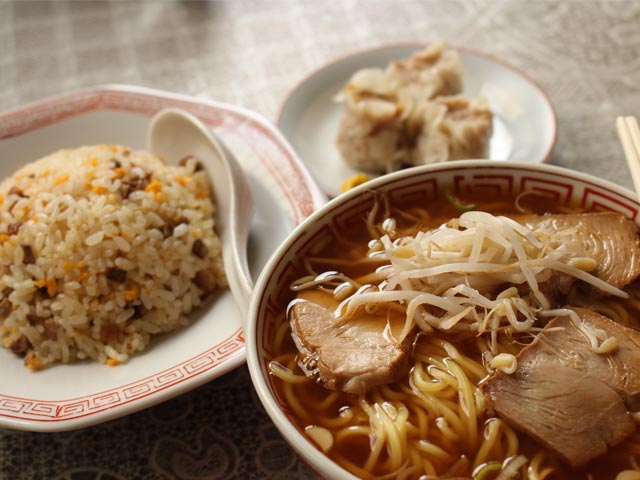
442, 431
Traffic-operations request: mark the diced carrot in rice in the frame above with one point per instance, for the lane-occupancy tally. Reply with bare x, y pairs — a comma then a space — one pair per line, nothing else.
61, 179
131, 294
182, 180
83, 246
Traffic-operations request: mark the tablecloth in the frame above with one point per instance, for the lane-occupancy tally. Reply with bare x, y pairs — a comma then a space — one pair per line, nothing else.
584, 54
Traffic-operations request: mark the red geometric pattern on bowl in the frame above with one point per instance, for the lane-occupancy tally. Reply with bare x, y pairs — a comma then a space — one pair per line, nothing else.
560, 192
488, 185
566, 189
594, 199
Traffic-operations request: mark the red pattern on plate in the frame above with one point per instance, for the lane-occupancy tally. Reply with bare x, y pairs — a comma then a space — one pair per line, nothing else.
148, 103
56, 410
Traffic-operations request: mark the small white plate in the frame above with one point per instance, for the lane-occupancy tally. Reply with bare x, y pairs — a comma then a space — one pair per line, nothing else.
524, 127
65, 397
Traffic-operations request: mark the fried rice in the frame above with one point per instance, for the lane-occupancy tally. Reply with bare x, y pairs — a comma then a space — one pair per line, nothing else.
102, 247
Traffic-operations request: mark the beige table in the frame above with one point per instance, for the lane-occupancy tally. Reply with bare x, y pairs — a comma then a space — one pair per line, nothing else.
584, 54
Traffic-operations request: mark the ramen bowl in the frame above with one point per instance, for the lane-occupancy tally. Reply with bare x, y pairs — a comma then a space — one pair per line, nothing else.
415, 186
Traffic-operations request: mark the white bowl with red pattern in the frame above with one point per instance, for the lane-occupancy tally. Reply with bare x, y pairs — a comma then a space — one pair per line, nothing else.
419, 185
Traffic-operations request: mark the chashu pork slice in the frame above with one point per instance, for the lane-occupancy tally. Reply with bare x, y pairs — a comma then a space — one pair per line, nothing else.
609, 238
570, 399
353, 355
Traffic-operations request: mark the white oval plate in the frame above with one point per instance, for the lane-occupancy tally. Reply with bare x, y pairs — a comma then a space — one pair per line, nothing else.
65, 397
524, 127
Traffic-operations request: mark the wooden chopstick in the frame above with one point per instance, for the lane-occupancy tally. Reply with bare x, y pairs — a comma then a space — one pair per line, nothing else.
629, 134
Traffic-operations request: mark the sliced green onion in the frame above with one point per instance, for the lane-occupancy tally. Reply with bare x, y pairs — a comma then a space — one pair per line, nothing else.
457, 203
487, 471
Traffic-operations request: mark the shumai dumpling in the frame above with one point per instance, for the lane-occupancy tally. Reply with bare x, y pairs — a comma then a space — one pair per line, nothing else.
396, 117
432, 72
367, 144
454, 128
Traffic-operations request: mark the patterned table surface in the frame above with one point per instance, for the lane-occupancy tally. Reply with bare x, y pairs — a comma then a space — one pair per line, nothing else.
584, 54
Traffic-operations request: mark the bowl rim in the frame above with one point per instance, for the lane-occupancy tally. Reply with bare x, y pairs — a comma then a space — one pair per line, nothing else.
309, 452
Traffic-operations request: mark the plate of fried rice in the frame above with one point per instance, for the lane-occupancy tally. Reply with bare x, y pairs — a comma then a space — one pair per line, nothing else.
113, 293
